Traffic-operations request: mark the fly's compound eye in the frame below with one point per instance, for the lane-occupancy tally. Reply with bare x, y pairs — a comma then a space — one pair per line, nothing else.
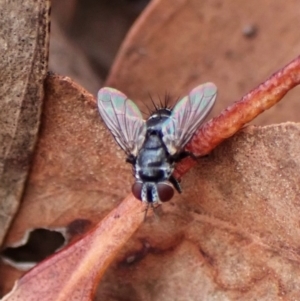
165, 191
137, 190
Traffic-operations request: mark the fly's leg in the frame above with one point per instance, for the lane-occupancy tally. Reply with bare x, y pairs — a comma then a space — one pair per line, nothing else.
182, 155
186, 154
175, 183
178, 158
131, 159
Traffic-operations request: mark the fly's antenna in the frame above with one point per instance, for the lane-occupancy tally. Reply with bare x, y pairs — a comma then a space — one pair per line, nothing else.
146, 211
153, 209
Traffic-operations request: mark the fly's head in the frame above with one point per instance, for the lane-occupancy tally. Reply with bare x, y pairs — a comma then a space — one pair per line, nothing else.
153, 193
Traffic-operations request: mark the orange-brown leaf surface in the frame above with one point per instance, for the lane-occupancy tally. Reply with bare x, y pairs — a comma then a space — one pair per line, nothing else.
212, 241
177, 45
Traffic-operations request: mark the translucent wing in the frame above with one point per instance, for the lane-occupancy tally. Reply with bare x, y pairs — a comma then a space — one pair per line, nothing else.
187, 116
123, 118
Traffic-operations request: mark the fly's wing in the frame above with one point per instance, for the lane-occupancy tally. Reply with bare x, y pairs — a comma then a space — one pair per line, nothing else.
187, 116
123, 118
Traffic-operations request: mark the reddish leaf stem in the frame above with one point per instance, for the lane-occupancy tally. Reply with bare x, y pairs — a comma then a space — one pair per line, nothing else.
241, 112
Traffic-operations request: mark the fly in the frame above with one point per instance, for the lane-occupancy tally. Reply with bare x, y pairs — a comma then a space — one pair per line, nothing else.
155, 145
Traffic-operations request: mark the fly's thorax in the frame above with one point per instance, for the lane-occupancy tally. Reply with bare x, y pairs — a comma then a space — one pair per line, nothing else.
153, 161
152, 157
154, 174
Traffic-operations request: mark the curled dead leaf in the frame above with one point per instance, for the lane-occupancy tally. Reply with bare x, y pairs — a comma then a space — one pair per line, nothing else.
23, 65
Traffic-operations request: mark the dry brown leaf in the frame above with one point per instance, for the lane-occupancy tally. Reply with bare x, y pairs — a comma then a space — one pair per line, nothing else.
237, 241
177, 45
67, 59
232, 235
72, 274
24, 48
241, 112
78, 172
225, 237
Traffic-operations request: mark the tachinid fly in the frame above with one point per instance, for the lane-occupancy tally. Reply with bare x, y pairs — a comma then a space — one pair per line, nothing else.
155, 145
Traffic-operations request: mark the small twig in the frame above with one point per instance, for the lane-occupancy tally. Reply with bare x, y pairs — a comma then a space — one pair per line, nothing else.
241, 112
